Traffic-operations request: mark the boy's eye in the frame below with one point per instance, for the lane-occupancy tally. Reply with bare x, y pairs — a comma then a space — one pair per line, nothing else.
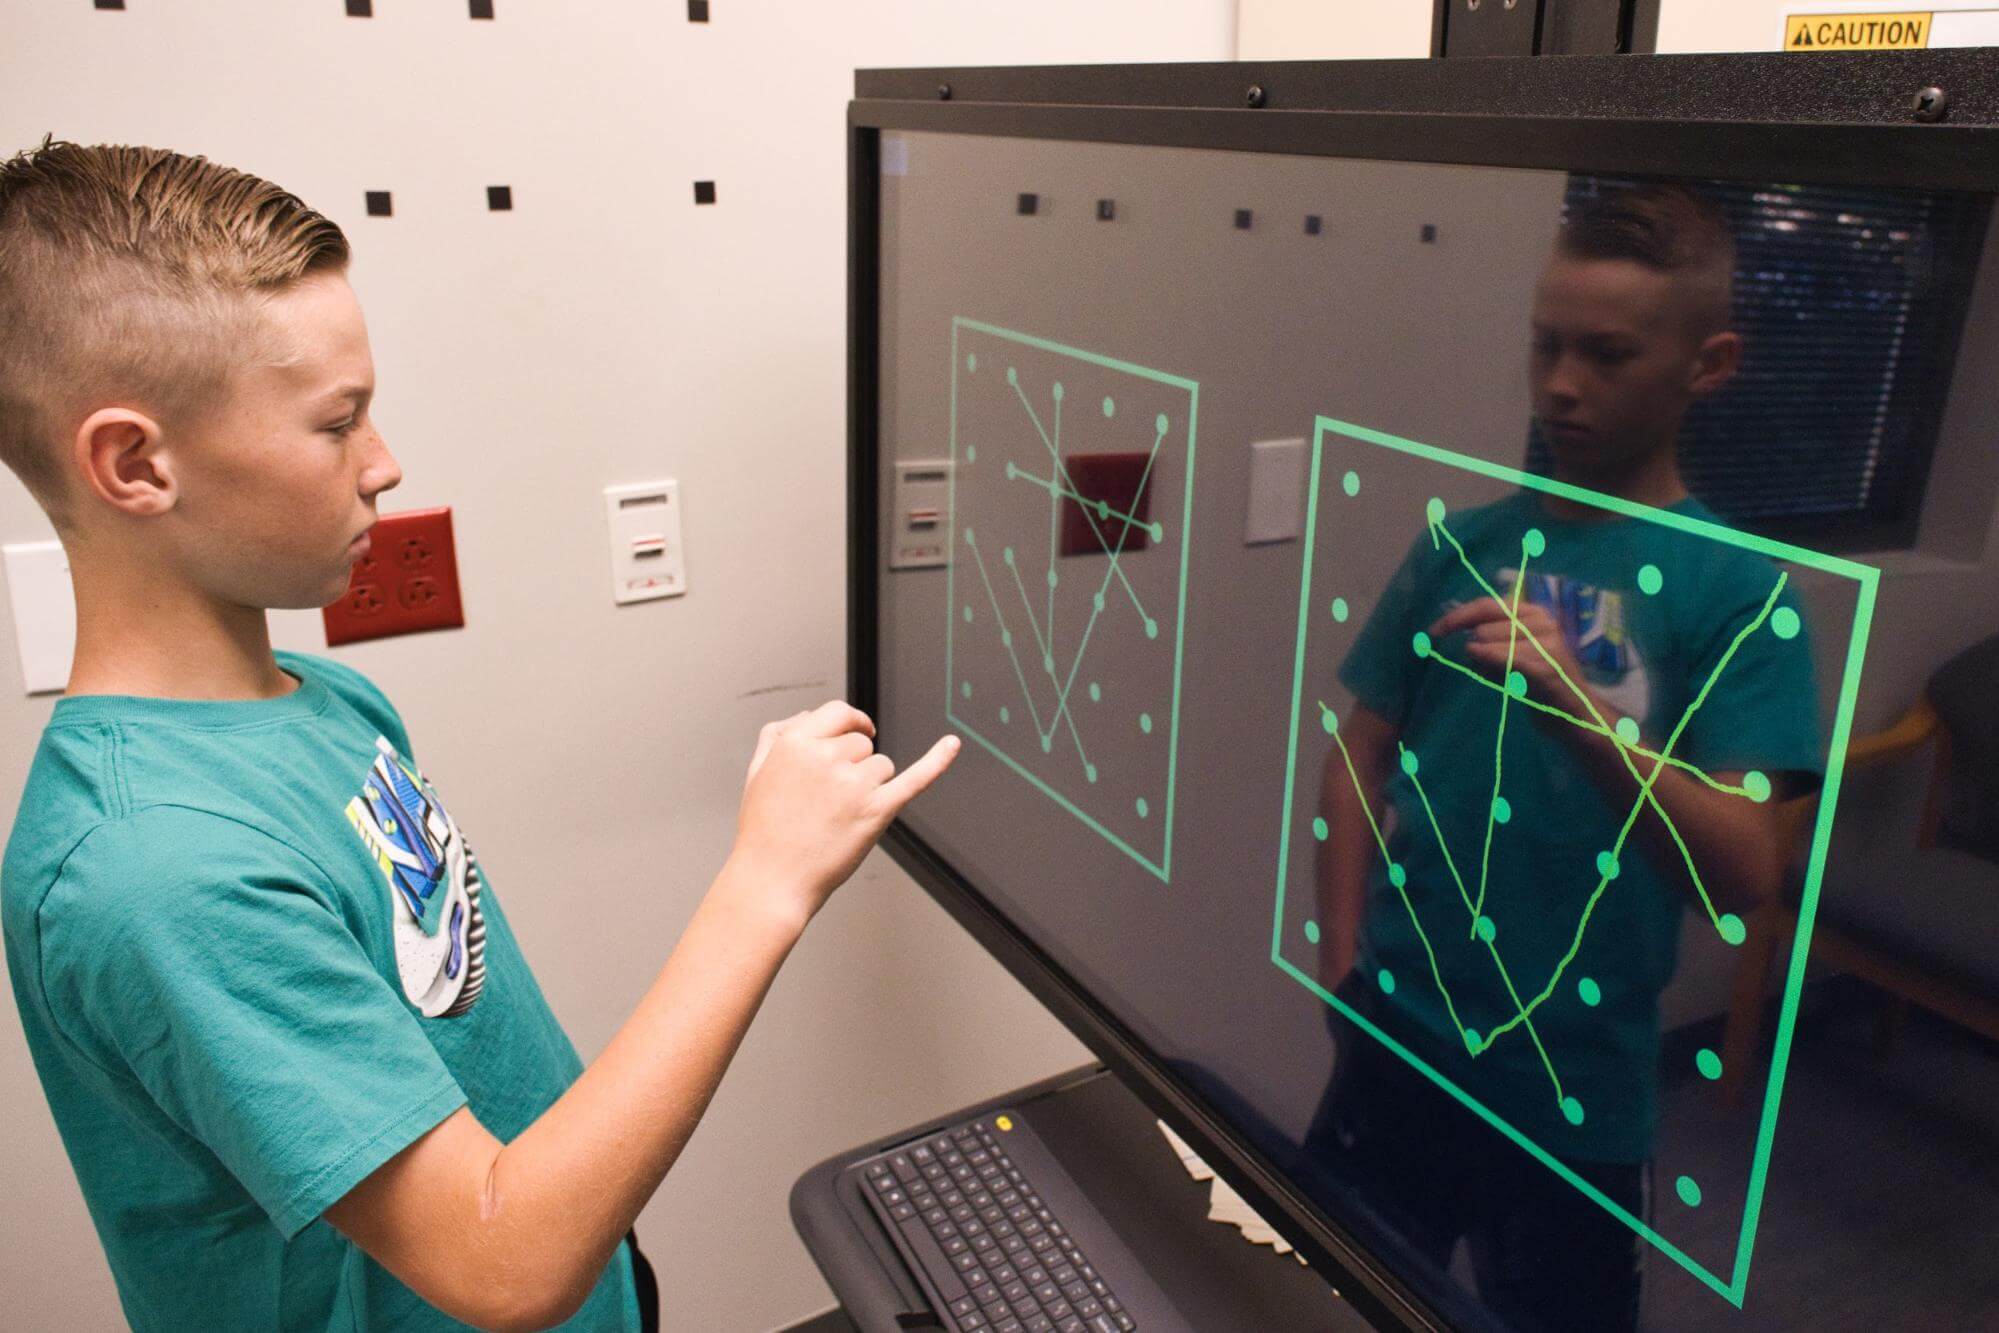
346, 427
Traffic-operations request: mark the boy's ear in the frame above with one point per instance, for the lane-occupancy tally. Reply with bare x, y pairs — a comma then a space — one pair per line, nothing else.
1715, 363
121, 453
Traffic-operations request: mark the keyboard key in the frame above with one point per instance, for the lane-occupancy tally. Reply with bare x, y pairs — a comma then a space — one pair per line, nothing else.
1089, 1309
1003, 1273
1063, 1274
995, 1309
1058, 1310
1009, 1325
1072, 1325
1011, 1243
983, 1242
1041, 1323
1034, 1275
1078, 1290
1048, 1291
955, 1246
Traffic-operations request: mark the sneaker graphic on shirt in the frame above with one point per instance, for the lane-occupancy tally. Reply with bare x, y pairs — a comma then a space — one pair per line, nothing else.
433, 885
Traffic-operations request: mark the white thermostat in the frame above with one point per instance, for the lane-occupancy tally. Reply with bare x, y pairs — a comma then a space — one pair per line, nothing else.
646, 558
920, 521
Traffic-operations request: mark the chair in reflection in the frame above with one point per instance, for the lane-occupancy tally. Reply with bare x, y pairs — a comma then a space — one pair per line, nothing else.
1924, 929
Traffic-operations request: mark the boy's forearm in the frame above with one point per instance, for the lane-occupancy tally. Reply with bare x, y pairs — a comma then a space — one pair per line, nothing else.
570, 1186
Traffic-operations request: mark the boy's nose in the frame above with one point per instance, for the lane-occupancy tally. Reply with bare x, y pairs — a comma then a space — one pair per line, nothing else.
383, 473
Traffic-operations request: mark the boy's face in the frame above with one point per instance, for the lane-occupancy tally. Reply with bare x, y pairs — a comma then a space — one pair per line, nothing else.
277, 492
1617, 358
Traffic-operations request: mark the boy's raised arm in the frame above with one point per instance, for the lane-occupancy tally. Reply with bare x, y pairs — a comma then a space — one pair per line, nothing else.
1344, 856
534, 1221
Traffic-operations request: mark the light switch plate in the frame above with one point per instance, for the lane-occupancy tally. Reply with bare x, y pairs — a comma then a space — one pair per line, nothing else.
1276, 492
646, 557
44, 613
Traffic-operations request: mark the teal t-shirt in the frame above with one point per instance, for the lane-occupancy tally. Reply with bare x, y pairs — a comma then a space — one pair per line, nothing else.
1649, 611
255, 958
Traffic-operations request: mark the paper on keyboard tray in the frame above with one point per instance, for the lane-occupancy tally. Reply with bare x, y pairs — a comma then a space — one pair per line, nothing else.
1224, 1204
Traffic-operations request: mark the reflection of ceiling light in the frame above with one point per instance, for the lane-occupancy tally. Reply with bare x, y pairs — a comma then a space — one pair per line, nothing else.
1781, 224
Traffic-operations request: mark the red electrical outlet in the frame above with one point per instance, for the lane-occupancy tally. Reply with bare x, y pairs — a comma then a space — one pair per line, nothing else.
408, 581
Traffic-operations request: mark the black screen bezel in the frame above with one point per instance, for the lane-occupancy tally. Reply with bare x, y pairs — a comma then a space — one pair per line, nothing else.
1824, 118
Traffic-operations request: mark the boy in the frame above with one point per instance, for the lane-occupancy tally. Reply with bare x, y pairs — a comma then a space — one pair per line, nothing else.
301, 1068
1446, 942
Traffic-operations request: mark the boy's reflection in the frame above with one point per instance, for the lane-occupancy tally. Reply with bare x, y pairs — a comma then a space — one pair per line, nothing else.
1498, 940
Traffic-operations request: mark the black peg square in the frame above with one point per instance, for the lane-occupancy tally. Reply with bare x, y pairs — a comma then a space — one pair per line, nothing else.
360, 9
1106, 209
482, 9
110, 4
697, 11
378, 204
1029, 205
1429, 233
1312, 224
1243, 217
500, 198
704, 192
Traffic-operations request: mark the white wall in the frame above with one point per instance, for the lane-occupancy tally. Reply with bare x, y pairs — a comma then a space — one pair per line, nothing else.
1332, 29
606, 330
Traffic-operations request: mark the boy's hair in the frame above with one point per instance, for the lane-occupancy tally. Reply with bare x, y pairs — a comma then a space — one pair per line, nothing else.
1667, 228
136, 276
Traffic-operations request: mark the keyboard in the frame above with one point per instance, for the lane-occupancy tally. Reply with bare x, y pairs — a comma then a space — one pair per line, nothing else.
970, 1211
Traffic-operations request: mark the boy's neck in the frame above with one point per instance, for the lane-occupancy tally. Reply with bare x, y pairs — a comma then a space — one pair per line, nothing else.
154, 636
1654, 481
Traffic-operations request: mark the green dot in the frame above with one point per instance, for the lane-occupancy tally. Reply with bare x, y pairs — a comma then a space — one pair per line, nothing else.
1159, 423
1606, 865
1731, 928
1708, 1063
1516, 684
1110, 408
971, 360
1650, 580
1007, 555
1689, 1192
1350, 483
1096, 693
1340, 611
1435, 509
1058, 391
1329, 720
1784, 623
971, 453
1572, 1110
1420, 644
1486, 929
1591, 993
1143, 808
1145, 723
1012, 375
1409, 764
1048, 663
1627, 730
1053, 578
968, 537
1004, 718
1502, 810
1103, 509
1151, 628
1386, 980
1311, 932
968, 615
1090, 772
1047, 744
1006, 638
1397, 875
965, 689
1756, 786
1471, 1040
1534, 543
1159, 532
1319, 829
1098, 602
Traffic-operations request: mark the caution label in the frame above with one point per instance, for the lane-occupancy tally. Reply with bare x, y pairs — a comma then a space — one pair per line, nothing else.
1857, 32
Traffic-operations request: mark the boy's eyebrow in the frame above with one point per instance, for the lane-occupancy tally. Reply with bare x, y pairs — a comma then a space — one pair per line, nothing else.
355, 392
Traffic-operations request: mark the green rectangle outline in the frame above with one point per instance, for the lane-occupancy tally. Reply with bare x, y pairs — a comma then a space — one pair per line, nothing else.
1163, 868
1867, 577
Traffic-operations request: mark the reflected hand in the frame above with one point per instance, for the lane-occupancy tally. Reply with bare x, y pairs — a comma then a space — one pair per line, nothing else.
1491, 633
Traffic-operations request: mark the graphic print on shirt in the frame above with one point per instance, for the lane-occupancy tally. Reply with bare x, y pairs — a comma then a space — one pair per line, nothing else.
433, 885
1592, 622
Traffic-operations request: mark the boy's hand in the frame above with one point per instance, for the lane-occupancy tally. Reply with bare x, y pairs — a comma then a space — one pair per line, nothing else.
1486, 618
816, 798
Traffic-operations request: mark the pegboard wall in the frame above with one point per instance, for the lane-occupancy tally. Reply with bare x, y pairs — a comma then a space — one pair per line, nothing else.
597, 241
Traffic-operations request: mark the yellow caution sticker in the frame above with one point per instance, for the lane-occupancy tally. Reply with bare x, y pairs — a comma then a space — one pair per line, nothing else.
1857, 32
1005, 1122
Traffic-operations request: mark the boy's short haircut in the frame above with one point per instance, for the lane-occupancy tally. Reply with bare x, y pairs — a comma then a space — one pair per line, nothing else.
1667, 228
135, 277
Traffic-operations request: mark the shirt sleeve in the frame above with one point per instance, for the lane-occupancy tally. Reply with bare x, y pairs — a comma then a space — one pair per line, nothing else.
210, 962
1762, 712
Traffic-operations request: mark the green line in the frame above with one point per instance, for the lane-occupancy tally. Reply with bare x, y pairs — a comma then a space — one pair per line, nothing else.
1079, 354
1054, 515
1022, 474
1180, 610
1028, 608
1070, 482
1297, 693
1499, 742
1603, 881
1645, 785
1006, 638
951, 549
1367, 809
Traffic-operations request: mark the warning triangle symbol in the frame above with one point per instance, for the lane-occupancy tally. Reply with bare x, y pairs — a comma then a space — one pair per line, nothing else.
1804, 37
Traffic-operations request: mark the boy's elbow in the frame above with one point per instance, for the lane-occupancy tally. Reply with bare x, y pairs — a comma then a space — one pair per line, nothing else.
515, 1294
